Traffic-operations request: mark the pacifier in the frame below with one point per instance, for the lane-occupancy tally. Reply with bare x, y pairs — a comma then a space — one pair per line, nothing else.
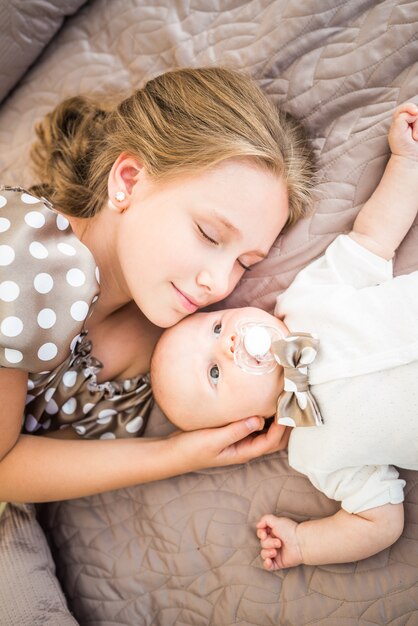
252, 351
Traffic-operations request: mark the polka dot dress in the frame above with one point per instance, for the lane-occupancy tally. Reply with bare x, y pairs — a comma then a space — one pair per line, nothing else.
48, 286
70, 396
47, 283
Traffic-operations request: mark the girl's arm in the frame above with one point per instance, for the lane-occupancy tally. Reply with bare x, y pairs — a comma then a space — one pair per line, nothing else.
387, 216
340, 538
40, 469
13, 389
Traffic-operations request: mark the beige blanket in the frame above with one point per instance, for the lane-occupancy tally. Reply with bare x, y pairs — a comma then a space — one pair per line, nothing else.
183, 551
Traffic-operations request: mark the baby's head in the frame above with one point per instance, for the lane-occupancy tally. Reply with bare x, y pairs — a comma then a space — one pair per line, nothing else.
195, 378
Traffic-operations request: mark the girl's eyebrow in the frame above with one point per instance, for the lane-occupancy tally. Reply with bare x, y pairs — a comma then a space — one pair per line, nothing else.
234, 230
225, 222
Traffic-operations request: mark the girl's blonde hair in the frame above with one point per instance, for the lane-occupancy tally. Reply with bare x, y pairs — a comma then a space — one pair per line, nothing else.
180, 122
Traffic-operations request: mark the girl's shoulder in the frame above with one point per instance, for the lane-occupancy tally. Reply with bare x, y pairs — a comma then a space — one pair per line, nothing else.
48, 281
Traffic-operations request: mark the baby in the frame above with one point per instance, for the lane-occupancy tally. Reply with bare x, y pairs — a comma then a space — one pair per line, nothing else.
348, 383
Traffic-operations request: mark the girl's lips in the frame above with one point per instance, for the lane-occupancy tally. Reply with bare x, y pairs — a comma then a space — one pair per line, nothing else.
187, 304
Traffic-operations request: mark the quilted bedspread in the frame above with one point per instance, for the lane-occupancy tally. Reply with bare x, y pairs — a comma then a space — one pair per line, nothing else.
183, 551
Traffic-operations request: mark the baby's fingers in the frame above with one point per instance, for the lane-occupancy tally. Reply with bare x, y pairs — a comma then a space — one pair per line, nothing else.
271, 542
267, 523
403, 133
407, 110
271, 563
414, 125
268, 554
268, 564
262, 534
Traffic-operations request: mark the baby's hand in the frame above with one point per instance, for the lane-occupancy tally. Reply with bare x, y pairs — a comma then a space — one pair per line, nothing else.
279, 543
403, 132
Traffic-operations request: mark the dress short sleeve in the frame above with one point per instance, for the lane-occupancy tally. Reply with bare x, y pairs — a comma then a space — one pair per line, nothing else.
48, 283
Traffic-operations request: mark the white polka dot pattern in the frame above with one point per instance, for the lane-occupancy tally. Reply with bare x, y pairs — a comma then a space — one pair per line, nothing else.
47, 283
38, 250
108, 436
35, 219
46, 318
11, 326
12, 357
49, 393
70, 406
7, 255
75, 277
9, 291
71, 396
65, 248
52, 407
62, 222
31, 423
135, 425
79, 310
4, 224
28, 199
47, 351
43, 282
69, 379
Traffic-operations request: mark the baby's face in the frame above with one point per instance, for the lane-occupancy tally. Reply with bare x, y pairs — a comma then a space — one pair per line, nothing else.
196, 380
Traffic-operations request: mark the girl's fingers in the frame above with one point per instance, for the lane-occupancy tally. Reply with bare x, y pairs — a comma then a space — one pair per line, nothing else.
232, 433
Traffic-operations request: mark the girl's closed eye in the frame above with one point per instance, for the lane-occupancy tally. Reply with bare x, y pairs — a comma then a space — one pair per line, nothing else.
214, 374
244, 267
216, 243
207, 237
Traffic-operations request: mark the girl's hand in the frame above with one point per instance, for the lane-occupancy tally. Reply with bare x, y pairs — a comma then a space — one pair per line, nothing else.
231, 444
403, 132
279, 542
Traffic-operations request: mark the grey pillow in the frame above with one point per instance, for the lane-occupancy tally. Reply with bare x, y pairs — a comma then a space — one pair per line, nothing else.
30, 594
26, 27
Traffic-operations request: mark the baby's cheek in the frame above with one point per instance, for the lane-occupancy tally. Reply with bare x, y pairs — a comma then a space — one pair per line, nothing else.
268, 394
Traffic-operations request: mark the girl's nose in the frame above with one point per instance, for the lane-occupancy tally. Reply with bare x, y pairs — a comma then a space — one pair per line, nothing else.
217, 283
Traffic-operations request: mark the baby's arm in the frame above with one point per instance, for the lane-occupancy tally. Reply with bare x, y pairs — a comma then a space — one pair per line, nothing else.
341, 538
387, 216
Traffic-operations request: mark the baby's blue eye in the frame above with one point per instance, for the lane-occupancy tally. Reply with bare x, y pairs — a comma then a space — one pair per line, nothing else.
217, 329
214, 374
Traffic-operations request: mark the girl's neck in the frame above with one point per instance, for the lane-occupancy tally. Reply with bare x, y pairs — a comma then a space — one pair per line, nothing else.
98, 234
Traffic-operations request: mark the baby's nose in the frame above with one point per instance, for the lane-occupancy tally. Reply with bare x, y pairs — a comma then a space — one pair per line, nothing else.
229, 345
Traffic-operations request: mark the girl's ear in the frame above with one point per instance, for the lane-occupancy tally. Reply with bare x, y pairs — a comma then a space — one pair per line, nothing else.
122, 179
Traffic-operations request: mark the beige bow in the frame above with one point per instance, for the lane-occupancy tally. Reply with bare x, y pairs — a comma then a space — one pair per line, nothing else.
296, 405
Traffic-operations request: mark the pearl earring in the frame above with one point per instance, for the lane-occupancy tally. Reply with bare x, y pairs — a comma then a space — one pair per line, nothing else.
120, 196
